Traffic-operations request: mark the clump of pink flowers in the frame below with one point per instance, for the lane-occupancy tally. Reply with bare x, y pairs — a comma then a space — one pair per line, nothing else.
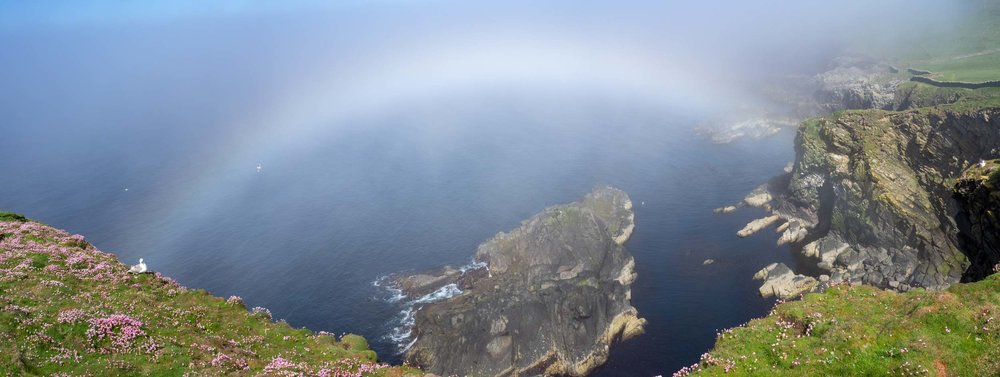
257, 310
70, 316
235, 300
119, 329
281, 366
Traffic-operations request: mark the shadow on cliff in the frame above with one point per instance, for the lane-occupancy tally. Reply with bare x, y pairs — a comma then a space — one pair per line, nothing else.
978, 229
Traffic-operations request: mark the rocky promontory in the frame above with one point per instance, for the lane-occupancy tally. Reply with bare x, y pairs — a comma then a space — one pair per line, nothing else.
547, 298
870, 194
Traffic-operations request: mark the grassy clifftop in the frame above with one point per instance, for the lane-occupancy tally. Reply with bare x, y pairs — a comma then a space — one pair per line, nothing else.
67, 308
864, 331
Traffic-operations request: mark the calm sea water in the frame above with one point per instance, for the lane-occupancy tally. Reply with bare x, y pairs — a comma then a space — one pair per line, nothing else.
414, 188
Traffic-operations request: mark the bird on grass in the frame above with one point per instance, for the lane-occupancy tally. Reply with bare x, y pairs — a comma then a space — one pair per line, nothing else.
139, 268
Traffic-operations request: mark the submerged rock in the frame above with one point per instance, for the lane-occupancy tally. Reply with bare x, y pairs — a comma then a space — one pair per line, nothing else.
551, 297
728, 209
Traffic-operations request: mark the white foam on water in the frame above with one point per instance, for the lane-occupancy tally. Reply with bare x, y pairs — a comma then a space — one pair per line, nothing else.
396, 293
401, 334
474, 265
443, 293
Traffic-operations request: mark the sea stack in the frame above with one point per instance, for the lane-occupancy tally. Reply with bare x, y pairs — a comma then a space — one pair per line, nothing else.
549, 298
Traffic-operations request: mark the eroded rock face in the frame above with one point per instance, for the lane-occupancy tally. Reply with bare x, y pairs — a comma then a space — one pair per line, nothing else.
872, 192
554, 297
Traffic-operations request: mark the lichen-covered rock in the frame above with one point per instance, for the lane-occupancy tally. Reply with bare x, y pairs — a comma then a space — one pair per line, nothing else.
871, 191
554, 296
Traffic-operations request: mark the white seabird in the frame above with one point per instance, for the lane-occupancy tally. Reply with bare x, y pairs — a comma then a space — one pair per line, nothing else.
258, 168
139, 268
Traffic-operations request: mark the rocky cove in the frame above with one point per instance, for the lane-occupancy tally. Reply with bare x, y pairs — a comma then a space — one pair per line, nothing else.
549, 297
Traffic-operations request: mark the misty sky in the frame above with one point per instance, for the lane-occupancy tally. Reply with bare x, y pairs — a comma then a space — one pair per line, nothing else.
241, 72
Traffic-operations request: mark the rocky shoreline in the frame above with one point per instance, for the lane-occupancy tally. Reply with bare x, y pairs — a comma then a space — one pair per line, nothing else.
547, 298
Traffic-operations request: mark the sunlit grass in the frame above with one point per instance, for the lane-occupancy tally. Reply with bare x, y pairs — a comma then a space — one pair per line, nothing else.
861, 330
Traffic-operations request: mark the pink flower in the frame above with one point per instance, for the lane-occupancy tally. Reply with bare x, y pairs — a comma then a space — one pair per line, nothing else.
234, 300
70, 316
119, 329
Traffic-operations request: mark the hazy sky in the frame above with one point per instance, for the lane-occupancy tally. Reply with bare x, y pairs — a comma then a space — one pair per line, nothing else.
242, 72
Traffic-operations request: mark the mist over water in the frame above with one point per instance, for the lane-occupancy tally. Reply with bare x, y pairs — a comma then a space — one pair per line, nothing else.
397, 136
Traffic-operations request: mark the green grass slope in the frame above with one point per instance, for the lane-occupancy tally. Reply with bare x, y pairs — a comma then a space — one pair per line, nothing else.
864, 331
68, 309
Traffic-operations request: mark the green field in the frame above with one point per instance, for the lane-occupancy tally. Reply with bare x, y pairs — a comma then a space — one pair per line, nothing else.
968, 51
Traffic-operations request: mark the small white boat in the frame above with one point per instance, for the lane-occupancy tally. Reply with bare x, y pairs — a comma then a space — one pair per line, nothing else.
258, 168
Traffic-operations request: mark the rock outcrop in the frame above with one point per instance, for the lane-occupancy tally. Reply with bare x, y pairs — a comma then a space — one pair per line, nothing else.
549, 299
870, 193
780, 281
857, 83
849, 83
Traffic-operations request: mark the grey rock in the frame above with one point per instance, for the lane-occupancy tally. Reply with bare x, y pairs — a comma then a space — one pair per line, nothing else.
780, 281
555, 297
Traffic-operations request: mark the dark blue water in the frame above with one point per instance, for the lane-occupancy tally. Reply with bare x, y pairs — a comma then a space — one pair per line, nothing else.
414, 187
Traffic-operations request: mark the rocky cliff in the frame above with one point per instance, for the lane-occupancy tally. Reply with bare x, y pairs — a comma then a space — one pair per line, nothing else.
549, 298
870, 198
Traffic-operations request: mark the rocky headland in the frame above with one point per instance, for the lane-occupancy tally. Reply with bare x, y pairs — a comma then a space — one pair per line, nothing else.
869, 197
547, 298
894, 197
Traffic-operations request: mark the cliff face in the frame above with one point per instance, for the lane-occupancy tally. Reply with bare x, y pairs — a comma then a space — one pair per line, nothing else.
870, 192
978, 196
553, 296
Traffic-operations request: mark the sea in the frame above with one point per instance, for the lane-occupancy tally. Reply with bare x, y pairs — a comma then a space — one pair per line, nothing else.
312, 234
